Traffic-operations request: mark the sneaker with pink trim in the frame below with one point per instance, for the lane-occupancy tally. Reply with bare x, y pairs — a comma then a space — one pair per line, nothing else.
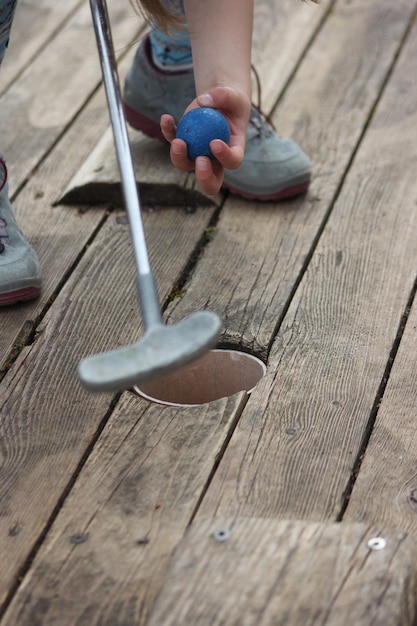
20, 272
274, 167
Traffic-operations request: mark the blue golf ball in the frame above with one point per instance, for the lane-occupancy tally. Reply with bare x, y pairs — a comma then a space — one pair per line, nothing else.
200, 126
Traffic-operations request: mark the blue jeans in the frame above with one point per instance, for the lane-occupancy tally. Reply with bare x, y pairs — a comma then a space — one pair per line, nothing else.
175, 47
7, 8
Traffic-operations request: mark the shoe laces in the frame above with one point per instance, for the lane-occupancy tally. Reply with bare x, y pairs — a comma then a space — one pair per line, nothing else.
261, 124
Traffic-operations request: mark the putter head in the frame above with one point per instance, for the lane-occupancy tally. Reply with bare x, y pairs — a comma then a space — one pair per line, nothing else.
160, 351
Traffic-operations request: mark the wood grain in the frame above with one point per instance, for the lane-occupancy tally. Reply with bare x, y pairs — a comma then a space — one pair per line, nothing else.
297, 442
270, 573
34, 24
160, 184
386, 488
282, 33
47, 420
97, 492
105, 558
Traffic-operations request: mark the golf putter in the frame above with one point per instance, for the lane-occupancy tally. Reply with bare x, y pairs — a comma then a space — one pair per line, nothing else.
162, 349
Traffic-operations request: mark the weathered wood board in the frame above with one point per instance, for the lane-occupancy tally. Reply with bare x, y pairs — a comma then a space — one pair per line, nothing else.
268, 246
297, 442
96, 491
35, 23
288, 573
44, 99
105, 557
386, 488
159, 183
282, 33
48, 421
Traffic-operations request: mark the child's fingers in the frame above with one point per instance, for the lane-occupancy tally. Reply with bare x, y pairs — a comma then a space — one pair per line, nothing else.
230, 157
209, 175
179, 155
168, 127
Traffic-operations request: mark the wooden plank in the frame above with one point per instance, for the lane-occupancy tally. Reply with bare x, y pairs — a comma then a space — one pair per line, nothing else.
270, 573
58, 235
175, 232
386, 488
294, 450
35, 22
44, 100
105, 558
326, 108
98, 179
73, 419
47, 420
282, 32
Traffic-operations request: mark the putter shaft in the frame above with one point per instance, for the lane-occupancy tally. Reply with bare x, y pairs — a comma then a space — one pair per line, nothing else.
148, 297
162, 349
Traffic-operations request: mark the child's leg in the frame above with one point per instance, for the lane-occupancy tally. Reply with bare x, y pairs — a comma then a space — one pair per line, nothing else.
7, 8
160, 80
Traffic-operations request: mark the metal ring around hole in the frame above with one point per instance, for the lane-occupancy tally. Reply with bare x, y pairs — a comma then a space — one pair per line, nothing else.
377, 543
222, 534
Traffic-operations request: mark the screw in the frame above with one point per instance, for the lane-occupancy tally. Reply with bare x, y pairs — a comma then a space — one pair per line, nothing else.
222, 534
79, 538
377, 543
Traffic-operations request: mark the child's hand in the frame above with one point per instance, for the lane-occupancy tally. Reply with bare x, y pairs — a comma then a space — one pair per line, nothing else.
235, 106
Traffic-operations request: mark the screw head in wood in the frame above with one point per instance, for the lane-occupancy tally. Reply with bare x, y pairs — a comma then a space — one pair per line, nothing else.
222, 534
376, 543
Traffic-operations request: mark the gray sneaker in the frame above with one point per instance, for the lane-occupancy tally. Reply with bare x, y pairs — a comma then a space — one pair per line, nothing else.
20, 272
273, 168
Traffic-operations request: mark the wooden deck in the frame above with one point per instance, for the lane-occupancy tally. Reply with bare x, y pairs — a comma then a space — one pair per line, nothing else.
243, 511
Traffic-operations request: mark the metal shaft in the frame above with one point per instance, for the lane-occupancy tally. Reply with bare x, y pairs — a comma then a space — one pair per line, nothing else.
146, 285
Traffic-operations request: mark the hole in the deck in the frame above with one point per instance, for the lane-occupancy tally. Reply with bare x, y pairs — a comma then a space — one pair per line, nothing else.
217, 374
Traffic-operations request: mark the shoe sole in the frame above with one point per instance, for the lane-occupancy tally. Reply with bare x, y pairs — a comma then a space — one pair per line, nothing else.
287, 192
153, 130
20, 295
